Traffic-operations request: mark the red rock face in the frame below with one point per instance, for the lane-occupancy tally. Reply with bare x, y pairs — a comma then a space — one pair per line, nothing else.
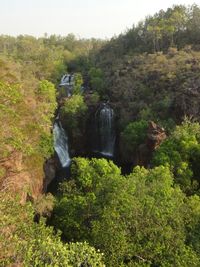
155, 136
18, 179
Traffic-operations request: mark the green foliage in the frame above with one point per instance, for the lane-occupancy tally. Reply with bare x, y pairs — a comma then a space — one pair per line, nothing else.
78, 81
145, 222
33, 244
192, 221
94, 98
181, 152
146, 114
175, 27
46, 145
44, 204
152, 86
46, 94
138, 220
169, 125
46, 91
16, 117
74, 117
133, 135
73, 110
151, 71
73, 106
96, 79
49, 56
81, 197
81, 254
143, 219
27, 108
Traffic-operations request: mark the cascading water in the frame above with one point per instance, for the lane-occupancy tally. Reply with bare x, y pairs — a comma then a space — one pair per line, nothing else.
67, 82
105, 130
61, 144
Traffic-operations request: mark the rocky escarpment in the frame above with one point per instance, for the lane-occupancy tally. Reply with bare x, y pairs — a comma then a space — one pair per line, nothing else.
154, 86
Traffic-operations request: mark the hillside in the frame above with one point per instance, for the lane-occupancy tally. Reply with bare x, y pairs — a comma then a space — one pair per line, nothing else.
100, 147
152, 69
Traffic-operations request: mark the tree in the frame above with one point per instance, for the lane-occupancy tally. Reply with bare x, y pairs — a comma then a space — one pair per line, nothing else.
96, 79
27, 243
73, 112
138, 220
27, 108
181, 152
80, 198
132, 136
78, 82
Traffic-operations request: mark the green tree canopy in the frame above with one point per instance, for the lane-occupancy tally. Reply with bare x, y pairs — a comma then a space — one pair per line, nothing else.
138, 220
181, 153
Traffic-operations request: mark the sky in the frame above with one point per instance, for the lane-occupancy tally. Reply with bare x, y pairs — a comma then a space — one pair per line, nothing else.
84, 18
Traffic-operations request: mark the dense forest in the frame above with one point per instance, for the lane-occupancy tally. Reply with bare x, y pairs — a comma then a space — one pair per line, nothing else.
100, 146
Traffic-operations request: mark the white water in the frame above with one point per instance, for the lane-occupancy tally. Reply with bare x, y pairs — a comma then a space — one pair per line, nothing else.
61, 144
67, 79
106, 131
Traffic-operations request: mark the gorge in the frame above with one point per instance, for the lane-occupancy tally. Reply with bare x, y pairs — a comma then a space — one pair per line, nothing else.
100, 147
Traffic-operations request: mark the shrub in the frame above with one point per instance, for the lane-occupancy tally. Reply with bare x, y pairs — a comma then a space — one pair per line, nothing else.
26, 243
181, 151
138, 220
133, 135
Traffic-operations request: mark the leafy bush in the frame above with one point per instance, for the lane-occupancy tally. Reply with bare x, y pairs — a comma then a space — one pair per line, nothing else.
81, 197
46, 94
74, 106
96, 79
46, 144
27, 108
181, 151
78, 81
74, 117
138, 220
133, 135
26, 243
93, 99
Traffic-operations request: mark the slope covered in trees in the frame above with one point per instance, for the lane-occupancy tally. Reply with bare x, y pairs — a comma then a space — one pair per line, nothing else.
27, 107
149, 216
28, 66
142, 80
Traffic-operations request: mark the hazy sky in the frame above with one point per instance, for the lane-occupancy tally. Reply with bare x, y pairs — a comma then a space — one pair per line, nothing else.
84, 18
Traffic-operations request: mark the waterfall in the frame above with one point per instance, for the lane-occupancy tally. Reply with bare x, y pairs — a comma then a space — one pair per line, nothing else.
61, 144
105, 130
67, 82
67, 79
64, 80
